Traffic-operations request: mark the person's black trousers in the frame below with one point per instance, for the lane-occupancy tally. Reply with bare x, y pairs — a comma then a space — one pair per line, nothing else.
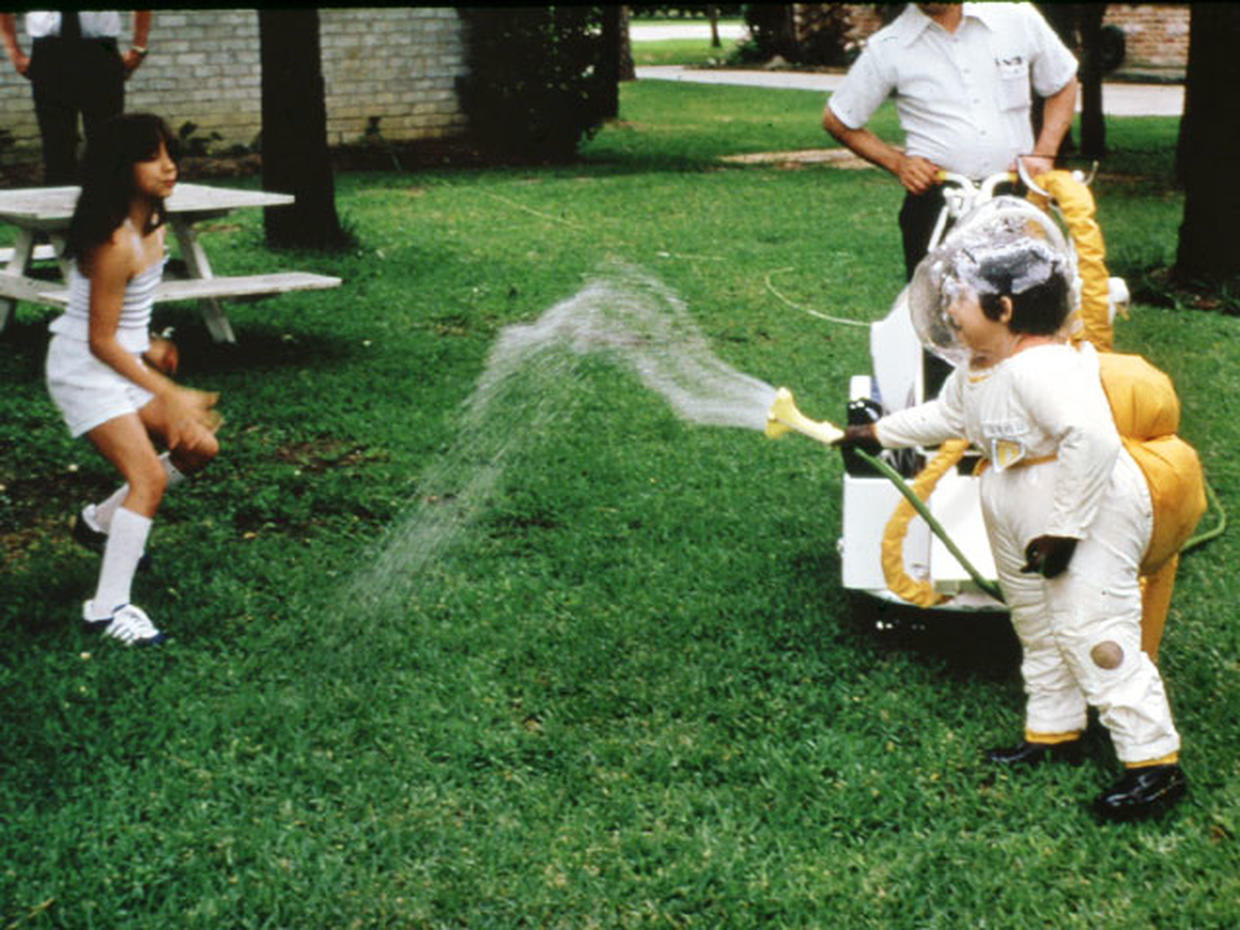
72, 77
917, 218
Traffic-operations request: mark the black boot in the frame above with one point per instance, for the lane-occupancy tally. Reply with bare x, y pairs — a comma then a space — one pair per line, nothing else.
1142, 792
1028, 753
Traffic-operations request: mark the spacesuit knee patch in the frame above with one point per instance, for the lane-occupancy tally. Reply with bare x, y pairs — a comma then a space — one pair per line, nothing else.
1107, 654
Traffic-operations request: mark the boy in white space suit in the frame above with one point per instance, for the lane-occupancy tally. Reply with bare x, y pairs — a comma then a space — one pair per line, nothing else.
1067, 510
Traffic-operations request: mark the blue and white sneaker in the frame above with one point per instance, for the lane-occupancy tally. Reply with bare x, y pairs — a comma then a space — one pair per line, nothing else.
128, 623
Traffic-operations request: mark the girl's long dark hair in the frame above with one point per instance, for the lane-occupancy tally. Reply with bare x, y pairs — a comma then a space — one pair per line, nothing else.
107, 179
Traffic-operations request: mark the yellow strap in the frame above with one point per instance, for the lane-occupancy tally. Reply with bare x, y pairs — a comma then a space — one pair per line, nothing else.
1076, 206
983, 464
1051, 739
919, 593
1170, 758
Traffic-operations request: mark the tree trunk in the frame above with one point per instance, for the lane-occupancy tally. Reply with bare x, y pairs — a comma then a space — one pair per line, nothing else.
294, 114
787, 33
628, 71
1209, 147
1093, 125
712, 12
773, 28
609, 62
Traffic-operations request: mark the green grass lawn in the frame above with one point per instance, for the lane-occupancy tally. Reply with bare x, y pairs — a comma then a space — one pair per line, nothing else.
694, 52
615, 681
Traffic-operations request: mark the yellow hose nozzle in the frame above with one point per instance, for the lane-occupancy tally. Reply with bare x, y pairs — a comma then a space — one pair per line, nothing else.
784, 416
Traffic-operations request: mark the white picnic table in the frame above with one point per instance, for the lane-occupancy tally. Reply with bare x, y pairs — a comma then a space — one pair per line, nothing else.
48, 210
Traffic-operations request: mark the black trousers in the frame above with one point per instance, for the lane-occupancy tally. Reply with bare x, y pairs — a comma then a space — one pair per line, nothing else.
918, 215
72, 78
917, 218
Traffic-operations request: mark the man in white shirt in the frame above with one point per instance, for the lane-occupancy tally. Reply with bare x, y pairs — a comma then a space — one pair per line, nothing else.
74, 68
962, 77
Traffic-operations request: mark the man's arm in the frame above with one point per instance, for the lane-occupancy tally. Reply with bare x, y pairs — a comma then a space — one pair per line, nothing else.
917, 174
8, 34
1057, 113
137, 48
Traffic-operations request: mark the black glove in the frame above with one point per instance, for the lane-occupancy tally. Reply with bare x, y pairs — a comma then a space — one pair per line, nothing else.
1048, 556
859, 436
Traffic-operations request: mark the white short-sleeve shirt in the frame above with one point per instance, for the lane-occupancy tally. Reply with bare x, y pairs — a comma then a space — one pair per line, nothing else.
963, 98
102, 24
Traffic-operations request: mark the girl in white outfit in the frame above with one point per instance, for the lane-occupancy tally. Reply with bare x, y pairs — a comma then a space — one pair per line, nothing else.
96, 372
1067, 510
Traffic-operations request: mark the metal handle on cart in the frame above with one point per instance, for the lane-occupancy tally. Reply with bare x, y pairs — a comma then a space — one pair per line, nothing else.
985, 186
962, 193
1076, 174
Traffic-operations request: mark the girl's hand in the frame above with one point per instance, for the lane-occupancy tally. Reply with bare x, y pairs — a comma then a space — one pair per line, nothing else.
189, 412
162, 355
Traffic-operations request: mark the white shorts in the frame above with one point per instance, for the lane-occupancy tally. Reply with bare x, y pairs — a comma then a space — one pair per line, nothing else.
85, 390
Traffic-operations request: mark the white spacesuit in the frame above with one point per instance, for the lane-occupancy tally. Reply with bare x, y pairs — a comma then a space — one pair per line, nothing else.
1075, 520
1057, 467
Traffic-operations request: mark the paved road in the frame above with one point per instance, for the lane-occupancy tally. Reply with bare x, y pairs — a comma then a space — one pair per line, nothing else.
699, 29
1118, 99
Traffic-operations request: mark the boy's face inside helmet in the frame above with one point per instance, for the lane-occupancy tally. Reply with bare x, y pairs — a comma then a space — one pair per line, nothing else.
1005, 269
984, 338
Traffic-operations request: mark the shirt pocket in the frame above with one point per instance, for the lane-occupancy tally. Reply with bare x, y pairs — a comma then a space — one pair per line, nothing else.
1012, 84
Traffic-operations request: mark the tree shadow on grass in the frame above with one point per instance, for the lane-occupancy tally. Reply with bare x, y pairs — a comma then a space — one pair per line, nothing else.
23, 350
259, 347
43, 604
969, 644
978, 644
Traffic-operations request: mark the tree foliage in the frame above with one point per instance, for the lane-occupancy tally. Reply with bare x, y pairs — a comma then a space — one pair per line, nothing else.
536, 82
820, 34
1100, 50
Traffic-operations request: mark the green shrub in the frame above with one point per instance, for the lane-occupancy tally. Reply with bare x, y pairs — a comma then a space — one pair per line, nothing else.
821, 34
533, 88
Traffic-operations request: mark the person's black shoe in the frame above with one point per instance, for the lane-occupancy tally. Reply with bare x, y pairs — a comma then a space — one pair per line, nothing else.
1142, 792
1028, 753
90, 538
87, 536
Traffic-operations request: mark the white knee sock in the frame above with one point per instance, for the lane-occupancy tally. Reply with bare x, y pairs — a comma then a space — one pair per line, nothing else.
124, 548
99, 516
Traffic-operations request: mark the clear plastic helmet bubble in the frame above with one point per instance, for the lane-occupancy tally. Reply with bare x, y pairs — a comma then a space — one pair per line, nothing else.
1004, 247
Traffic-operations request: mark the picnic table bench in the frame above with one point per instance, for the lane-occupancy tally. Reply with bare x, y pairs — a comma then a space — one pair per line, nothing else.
48, 210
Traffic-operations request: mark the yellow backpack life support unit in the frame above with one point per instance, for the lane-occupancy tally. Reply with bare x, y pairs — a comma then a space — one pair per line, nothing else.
1145, 407
1147, 414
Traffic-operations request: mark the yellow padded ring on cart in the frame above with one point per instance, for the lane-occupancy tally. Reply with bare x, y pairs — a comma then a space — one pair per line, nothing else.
919, 593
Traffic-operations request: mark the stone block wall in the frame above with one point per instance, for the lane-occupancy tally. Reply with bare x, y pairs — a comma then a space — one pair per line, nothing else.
398, 64
1155, 34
